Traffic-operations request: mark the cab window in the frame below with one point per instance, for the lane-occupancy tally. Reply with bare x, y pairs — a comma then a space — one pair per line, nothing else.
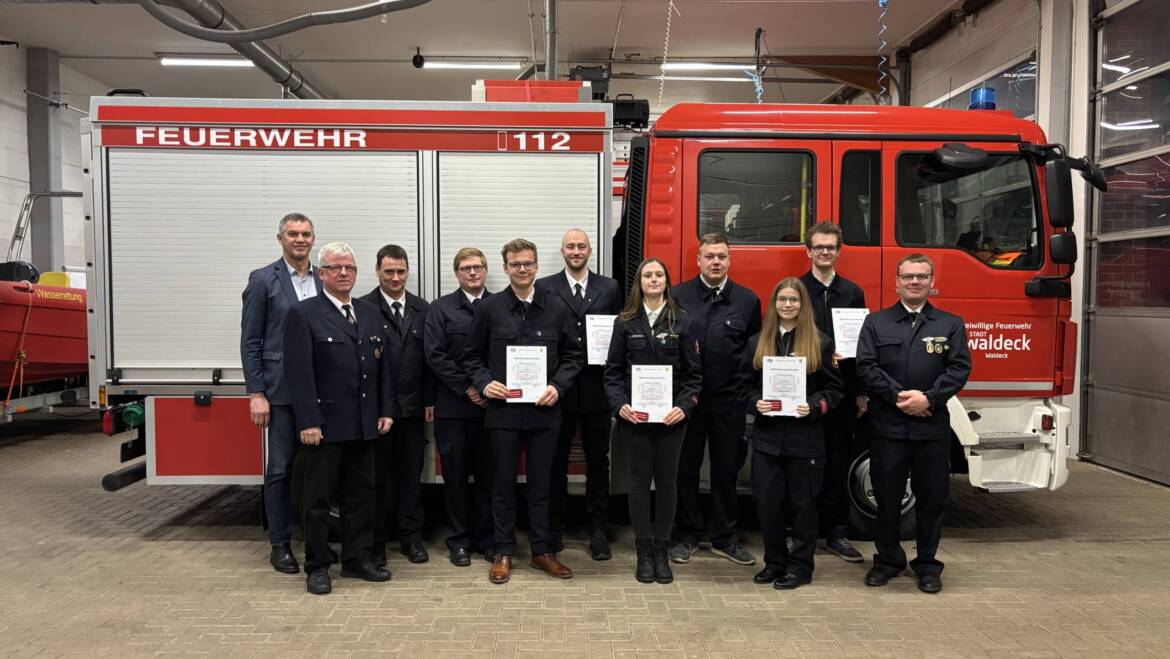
861, 206
756, 197
989, 213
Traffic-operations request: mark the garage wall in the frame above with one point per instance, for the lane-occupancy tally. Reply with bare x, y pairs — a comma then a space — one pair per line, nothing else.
76, 89
995, 38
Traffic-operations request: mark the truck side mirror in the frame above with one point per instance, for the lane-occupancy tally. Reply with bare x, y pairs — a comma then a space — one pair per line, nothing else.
1059, 192
960, 156
1063, 247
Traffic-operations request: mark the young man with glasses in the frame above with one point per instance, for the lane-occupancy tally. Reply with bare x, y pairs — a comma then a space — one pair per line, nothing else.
828, 290
460, 437
911, 359
522, 315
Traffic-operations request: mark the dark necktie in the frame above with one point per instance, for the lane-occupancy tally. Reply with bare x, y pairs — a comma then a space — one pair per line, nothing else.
578, 292
397, 309
913, 319
716, 294
475, 303
525, 306
348, 314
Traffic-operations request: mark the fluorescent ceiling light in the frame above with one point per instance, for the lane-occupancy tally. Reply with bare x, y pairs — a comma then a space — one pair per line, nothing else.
704, 66
701, 78
185, 60
498, 66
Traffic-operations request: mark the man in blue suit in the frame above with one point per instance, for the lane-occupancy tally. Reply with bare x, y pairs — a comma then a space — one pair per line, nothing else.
270, 292
342, 400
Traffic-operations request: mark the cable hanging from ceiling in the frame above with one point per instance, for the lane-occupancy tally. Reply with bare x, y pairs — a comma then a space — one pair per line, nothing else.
883, 61
670, 11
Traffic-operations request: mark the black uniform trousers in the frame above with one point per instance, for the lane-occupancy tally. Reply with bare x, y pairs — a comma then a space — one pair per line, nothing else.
595, 441
833, 503
398, 461
927, 464
652, 455
721, 435
346, 468
785, 491
464, 451
540, 447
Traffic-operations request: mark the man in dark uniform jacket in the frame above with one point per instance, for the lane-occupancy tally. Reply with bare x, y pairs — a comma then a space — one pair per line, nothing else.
725, 315
828, 290
398, 457
520, 315
911, 359
342, 401
270, 292
584, 293
460, 437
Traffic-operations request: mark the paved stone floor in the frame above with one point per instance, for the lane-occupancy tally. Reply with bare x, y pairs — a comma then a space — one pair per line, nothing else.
183, 571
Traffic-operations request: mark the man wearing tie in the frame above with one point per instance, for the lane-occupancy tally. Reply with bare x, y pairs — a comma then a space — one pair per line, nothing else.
342, 401
585, 403
270, 292
398, 457
521, 316
460, 437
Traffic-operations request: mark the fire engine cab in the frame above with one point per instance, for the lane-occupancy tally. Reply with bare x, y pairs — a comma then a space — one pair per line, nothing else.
980, 192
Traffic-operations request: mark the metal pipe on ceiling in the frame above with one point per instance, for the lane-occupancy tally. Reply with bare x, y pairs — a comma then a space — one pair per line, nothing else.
550, 39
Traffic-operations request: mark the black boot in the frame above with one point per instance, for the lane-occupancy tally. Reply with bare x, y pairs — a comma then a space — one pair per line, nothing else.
662, 573
644, 572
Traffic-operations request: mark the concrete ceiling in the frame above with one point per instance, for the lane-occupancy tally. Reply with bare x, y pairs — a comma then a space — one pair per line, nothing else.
116, 43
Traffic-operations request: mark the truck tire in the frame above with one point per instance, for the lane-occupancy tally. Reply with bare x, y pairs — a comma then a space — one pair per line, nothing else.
863, 506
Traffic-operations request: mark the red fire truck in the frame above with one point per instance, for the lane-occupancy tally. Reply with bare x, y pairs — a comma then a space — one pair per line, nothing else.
184, 195
980, 192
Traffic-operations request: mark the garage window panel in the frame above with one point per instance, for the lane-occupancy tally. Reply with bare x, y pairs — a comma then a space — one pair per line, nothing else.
1134, 273
1138, 196
1134, 40
1136, 117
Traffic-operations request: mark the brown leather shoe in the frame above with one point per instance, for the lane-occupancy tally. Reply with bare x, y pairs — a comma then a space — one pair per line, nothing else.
501, 569
550, 564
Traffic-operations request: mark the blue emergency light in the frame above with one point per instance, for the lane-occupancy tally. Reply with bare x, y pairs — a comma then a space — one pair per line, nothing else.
982, 98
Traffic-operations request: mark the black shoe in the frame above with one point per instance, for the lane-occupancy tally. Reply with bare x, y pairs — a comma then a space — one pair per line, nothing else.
662, 572
790, 582
843, 548
460, 557
683, 552
735, 553
366, 572
767, 575
599, 547
378, 557
318, 582
282, 559
644, 569
929, 583
877, 577
415, 552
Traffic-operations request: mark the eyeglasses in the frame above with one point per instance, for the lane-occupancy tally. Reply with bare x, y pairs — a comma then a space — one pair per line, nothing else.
352, 269
788, 300
916, 277
828, 249
526, 265
468, 269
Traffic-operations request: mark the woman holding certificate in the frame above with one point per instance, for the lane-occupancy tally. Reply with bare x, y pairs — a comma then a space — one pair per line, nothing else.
652, 380
790, 381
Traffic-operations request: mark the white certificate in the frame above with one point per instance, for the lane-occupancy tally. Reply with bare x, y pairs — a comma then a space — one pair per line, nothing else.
652, 394
846, 329
598, 332
784, 380
527, 373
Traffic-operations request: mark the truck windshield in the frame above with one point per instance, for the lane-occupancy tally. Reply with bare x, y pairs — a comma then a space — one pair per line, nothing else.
990, 213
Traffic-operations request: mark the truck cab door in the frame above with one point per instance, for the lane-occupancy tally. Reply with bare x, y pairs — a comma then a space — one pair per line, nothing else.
984, 229
764, 194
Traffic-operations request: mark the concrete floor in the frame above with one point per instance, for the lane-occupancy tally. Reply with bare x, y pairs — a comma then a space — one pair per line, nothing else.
183, 571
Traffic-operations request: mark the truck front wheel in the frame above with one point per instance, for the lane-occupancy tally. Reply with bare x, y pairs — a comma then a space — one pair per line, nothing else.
863, 504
